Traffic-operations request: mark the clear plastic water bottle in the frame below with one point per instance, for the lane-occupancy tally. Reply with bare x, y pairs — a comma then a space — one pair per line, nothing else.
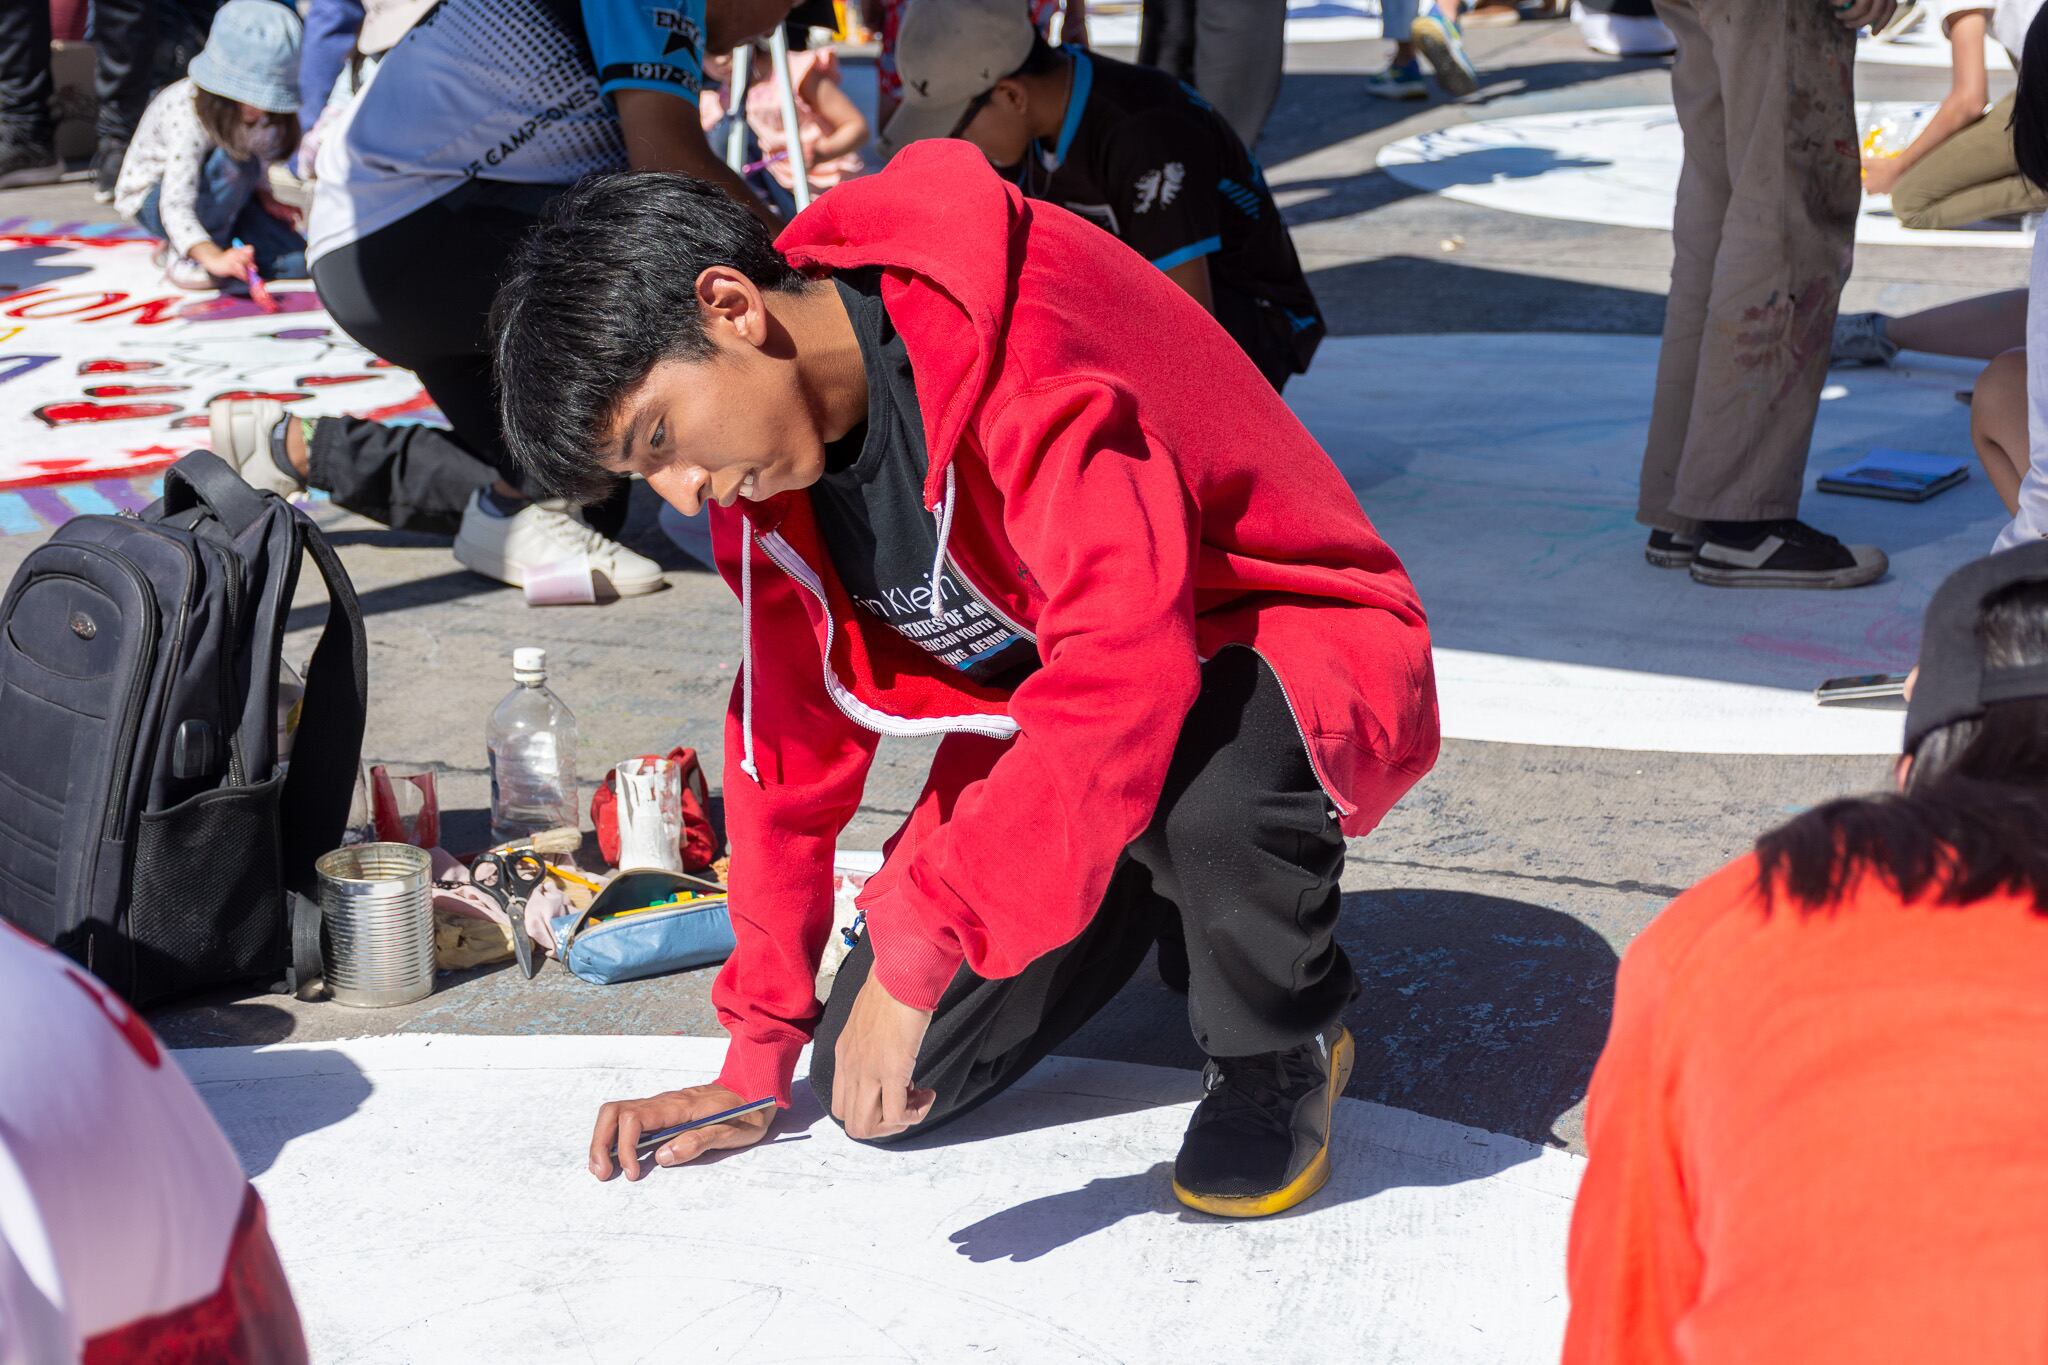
532, 743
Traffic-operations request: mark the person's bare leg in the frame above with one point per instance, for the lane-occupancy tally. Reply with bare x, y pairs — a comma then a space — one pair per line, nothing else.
1977, 329
1998, 424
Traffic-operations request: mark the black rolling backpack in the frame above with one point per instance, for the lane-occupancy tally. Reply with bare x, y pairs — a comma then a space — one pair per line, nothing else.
146, 826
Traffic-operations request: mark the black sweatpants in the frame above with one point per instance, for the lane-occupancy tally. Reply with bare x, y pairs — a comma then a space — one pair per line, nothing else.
124, 36
1230, 50
1244, 848
410, 478
418, 292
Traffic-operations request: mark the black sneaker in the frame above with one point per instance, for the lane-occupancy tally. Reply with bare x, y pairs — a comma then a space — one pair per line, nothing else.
27, 161
1782, 554
1260, 1139
106, 168
1670, 550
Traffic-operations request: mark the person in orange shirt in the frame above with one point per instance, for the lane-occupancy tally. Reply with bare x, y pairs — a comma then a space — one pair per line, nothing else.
1816, 1133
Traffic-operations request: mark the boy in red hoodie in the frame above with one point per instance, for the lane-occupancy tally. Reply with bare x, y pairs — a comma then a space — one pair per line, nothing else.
976, 469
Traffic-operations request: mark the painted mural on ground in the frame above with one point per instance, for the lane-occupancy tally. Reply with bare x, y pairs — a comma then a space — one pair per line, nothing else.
429, 1200
1614, 166
106, 370
1504, 468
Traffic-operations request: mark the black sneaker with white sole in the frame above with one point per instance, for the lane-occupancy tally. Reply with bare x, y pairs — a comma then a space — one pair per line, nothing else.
1260, 1139
27, 160
1670, 550
1782, 554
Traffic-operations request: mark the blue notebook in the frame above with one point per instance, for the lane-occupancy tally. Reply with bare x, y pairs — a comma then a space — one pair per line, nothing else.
1902, 475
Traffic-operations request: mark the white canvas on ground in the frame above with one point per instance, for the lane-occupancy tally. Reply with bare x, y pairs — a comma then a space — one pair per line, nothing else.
1614, 166
429, 1199
1503, 469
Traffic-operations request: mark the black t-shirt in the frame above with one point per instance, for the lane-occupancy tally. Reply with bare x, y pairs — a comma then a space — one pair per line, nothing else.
870, 510
1150, 159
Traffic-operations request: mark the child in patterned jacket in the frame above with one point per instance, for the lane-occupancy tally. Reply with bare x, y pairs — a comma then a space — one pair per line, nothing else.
196, 173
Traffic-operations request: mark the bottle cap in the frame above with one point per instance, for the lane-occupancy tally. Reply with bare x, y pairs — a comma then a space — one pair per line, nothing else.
529, 661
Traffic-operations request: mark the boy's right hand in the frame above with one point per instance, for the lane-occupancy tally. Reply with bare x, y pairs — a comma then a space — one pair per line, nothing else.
621, 1122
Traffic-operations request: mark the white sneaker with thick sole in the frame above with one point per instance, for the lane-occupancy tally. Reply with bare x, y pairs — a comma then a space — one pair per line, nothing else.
539, 534
241, 430
182, 272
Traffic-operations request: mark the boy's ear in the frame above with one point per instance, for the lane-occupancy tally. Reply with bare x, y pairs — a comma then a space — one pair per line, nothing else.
728, 301
1010, 94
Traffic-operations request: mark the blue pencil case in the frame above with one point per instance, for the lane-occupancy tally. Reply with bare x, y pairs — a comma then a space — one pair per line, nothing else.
606, 950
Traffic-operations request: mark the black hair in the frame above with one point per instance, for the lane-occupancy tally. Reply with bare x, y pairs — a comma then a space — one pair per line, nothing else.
2030, 106
1042, 58
604, 289
1969, 823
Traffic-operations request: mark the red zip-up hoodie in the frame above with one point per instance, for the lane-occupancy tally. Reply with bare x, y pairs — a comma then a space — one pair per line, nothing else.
1113, 476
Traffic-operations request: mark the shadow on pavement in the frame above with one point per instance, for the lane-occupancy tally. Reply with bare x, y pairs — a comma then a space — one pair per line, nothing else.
1420, 295
263, 1100
1319, 109
1477, 1009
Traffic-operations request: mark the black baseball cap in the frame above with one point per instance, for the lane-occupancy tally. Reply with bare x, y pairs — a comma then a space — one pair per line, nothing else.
1954, 683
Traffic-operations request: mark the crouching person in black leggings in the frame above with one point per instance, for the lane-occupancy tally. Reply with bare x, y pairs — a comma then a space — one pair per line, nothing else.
483, 113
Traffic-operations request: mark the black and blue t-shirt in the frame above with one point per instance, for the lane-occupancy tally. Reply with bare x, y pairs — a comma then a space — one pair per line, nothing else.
871, 514
1148, 158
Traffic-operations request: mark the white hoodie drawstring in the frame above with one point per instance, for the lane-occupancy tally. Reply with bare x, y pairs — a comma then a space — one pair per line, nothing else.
747, 651
945, 511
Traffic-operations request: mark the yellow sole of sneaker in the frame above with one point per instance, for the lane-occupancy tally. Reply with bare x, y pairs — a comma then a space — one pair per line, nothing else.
1313, 1176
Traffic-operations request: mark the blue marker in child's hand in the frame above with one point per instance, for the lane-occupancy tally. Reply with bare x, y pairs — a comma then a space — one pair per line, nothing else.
649, 1142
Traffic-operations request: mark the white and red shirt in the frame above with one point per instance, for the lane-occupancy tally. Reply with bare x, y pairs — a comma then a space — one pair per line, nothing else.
127, 1230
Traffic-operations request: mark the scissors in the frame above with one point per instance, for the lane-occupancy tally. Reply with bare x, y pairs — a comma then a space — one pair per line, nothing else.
509, 878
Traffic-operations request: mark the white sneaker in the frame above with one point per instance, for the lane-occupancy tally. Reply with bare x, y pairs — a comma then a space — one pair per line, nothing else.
241, 430
540, 534
182, 271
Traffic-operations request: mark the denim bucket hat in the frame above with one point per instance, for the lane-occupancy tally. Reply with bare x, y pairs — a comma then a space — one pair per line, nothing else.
252, 56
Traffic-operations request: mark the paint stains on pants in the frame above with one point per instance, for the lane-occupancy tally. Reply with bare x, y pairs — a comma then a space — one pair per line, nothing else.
1763, 235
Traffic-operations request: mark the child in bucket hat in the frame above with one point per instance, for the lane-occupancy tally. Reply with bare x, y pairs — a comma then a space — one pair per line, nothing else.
196, 173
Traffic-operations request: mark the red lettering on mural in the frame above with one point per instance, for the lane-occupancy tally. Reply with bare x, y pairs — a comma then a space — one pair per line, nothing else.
322, 381
117, 366
48, 308
33, 303
148, 312
131, 390
72, 414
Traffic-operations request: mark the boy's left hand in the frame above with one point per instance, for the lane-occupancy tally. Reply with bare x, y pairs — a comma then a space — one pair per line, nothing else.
876, 1056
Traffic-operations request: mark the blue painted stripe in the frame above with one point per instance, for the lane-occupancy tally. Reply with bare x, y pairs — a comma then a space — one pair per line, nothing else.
84, 498
1189, 253
15, 518
1084, 81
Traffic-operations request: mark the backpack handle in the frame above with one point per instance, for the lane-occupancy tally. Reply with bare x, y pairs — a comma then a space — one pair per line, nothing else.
204, 477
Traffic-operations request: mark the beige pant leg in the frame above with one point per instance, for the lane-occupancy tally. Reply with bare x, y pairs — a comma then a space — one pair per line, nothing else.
1703, 190
1968, 178
1786, 245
